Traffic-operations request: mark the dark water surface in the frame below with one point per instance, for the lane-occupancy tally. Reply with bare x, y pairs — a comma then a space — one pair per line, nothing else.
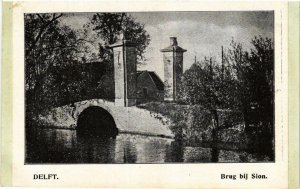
64, 146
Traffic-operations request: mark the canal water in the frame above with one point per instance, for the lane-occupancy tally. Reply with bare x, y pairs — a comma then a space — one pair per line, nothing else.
64, 146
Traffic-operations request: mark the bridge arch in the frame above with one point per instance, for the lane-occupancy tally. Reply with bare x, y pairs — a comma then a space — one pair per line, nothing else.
95, 120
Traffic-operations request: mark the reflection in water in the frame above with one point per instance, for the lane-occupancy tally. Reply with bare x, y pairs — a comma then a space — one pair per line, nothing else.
214, 154
64, 146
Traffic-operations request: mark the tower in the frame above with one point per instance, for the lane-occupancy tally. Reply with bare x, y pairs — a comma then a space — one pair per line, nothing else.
173, 69
124, 57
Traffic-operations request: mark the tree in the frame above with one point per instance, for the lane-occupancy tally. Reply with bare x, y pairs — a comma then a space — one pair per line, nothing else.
243, 82
109, 26
238, 59
201, 85
262, 81
47, 44
254, 74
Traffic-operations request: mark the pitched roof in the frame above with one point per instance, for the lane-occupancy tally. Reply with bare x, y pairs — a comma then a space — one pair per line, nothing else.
155, 78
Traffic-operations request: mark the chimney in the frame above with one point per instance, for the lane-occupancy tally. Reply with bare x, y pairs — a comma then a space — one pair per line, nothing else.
173, 41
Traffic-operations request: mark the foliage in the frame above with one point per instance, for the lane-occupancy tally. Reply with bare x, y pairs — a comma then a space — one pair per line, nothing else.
62, 65
243, 81
46, 44
204, 84
254, 72
109, 27
187, 121
57, 64
193, 124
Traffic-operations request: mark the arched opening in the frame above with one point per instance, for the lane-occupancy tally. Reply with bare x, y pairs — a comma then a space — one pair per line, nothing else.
96, 121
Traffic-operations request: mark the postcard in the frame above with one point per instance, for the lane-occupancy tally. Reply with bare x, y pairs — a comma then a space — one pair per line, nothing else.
149, 94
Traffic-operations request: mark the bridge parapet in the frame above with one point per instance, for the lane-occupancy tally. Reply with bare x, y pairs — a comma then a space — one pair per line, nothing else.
127, 119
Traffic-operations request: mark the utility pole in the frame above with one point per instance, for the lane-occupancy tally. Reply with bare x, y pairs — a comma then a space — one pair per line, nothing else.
211, 68
222, 64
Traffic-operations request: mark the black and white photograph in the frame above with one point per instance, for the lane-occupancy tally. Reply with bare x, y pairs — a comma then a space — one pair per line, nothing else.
149, 87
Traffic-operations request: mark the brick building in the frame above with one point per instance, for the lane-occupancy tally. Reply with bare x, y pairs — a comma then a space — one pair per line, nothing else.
149, 87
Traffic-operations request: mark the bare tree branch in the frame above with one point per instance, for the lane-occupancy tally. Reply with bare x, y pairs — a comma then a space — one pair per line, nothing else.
43, 29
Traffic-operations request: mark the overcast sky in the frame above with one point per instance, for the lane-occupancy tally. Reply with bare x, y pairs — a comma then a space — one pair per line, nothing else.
201, 33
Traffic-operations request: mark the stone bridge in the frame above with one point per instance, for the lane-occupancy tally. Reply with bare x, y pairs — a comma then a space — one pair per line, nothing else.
127, 119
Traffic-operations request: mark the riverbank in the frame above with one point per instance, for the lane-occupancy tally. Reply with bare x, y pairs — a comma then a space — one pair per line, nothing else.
194, 125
